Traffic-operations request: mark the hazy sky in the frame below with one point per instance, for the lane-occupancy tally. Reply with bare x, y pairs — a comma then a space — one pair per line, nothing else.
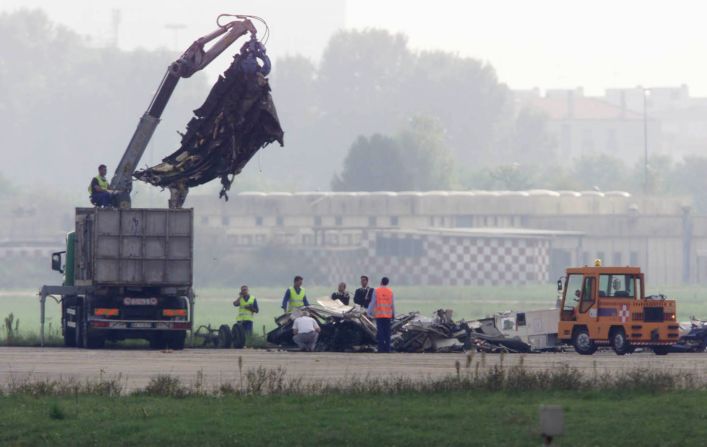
543, 43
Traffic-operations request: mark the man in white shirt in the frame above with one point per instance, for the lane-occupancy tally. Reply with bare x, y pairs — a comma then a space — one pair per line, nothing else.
306, 332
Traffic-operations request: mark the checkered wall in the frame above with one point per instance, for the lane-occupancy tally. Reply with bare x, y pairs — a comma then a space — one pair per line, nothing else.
453, 260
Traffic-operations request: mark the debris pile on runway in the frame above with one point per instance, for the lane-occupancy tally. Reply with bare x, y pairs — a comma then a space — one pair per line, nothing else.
416, 333
693, 336
343, 328
350, 329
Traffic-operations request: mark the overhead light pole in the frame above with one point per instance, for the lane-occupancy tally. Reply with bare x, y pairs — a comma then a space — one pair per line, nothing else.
646, 92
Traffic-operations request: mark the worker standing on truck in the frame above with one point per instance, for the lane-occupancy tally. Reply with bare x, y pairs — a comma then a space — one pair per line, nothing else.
247, 308
100, 194
382, 308
295, 296
362, 295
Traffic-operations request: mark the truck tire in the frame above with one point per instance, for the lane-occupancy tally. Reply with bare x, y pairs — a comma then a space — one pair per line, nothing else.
238, 336
225, 338
78, 331
582, 343
91, 340
95, 342
68, 302
157, 340
661, 350
69, 333
619, 342
176, 339
69, 337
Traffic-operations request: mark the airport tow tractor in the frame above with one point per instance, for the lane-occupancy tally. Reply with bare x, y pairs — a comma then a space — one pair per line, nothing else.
607, 306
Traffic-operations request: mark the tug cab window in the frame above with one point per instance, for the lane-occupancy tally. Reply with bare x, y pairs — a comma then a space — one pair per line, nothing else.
573, 291
587, 299
617, 286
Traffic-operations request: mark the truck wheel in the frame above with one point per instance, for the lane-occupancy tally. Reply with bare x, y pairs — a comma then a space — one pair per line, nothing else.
176, 339
619, 342
95, 342
582, 343
69, 337
157, 341
90, 340
238, 335
225, 337
78, 330
661, 350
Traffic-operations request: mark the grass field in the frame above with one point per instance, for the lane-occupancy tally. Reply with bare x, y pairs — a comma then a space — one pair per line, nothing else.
214, 306
475, 418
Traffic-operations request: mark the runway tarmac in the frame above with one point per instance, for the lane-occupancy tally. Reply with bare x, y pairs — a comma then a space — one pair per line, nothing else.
136, 367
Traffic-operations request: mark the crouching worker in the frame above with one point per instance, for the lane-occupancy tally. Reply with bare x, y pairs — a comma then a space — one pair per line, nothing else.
247, 308
306, 332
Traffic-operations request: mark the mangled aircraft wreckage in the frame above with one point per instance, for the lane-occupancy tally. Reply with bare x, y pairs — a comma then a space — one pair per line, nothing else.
237, 119
349, 329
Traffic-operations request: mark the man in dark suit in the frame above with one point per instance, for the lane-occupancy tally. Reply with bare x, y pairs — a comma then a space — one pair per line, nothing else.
362, 296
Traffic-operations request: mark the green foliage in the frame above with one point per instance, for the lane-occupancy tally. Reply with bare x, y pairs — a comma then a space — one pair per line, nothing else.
56, 412
370, 82
68, 105
11, 327
415, 160
427, 163
661, 176
421, 411
6, 188
475, 375
689, 178
530, 139
372, 164
27, 386
601, 172
165, 385
511, 177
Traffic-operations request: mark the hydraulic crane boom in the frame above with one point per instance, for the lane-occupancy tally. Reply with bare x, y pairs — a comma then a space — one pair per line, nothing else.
195, 58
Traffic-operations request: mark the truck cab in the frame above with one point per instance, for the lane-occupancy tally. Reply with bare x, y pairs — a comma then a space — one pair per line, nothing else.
607, 306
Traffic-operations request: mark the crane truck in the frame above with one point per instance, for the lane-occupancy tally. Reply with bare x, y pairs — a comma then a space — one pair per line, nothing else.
127, 271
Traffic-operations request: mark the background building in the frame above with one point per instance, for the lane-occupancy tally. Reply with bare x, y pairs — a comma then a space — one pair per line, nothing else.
462, 237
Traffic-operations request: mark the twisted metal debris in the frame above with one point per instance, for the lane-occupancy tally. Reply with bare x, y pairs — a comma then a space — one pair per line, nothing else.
237, 119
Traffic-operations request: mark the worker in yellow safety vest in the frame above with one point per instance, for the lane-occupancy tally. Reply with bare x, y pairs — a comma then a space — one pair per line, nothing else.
99, 188
247, 308
295, 296
382, 308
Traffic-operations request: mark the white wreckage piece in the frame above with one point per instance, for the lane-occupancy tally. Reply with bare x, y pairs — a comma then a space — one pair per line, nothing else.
516, 331
348, 328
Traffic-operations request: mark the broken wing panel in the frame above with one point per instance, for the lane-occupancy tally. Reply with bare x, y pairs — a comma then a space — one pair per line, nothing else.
237, 119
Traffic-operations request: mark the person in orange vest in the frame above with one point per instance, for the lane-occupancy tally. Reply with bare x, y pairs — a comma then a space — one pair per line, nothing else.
382, 308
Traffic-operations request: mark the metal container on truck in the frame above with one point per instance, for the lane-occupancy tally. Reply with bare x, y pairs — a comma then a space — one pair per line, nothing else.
134, 247
127, 274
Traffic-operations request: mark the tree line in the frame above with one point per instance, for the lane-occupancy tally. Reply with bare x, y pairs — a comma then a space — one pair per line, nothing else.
371, 114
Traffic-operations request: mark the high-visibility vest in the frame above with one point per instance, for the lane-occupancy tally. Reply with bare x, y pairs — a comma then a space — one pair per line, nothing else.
102, 182
243, 313
384, 303
296, 299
